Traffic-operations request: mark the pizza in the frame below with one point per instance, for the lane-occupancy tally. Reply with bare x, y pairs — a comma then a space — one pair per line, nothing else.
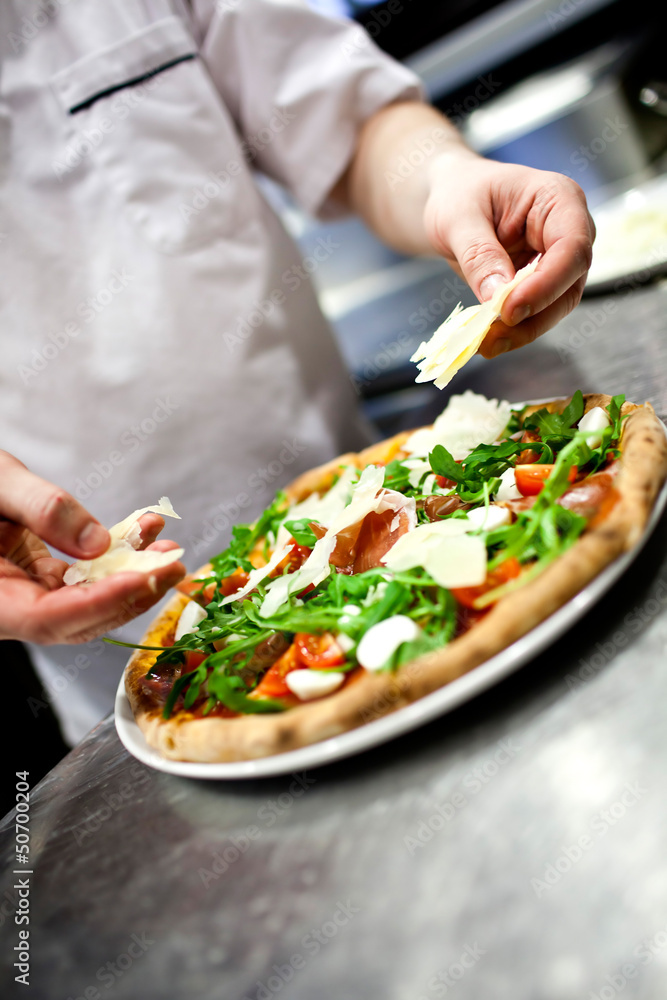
381, 576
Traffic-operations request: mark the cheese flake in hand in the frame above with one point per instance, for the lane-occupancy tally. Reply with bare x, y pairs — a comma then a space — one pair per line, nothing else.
460, 336
129, 527
122, 555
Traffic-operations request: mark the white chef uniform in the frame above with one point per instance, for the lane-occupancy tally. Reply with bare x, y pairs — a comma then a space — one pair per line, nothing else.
159, 331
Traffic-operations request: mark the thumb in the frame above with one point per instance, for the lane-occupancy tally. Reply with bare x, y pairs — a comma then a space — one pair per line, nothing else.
482, 260
48, 511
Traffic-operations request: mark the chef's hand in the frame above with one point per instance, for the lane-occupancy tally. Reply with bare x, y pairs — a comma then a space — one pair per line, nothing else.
488, 219
420, 188
35, 605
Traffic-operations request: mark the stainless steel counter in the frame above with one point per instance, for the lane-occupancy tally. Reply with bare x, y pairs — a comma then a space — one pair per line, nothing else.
514, 848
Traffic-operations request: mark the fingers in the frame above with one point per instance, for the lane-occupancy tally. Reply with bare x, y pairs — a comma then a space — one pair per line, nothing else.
151, 525
48, 511
48, 571
498, 217
560, 227
502, 338
78, 614
478, 255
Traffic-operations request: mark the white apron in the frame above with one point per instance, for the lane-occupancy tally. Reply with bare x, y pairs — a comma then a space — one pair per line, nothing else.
159, 331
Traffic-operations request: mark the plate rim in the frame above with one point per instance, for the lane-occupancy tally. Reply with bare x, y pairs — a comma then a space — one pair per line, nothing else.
410, 717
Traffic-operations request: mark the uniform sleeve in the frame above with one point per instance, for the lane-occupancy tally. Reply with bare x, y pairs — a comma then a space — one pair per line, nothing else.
299, 86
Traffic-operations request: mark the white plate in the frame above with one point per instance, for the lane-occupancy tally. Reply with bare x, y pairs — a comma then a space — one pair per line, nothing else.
405, 719
631, 241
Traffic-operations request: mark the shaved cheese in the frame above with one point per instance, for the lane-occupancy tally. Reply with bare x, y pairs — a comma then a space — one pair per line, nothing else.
309, 684
315, 569
129, 527
467, 420
370, 481
121, 556
191, 615
366, 497
383, 639
452, 557
460, 336
417, 467
322, 509
256, 576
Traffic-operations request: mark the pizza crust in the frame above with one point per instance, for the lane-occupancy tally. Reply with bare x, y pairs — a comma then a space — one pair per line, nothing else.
371, 696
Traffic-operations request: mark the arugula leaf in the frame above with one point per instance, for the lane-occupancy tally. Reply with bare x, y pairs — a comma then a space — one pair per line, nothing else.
394, 601
426, 643
516, 422
231, 691
443, 464
192, 681
245, 537
397, 476
574, 410
234, 557
478, 474
614, 411
302, 532
556, 429
546, 528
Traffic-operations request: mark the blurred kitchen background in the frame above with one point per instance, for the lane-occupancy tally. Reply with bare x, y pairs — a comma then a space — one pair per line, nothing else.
577, 86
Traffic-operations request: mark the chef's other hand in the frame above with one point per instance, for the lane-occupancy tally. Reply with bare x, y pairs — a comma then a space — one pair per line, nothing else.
488, 219
35, 604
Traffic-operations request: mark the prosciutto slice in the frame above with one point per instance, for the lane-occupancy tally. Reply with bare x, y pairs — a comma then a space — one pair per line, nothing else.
363, 545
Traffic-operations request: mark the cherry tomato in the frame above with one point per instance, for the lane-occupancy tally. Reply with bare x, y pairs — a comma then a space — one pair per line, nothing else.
272, 684
530, 455
234, 582
193, 658
507, 570
318, 652
191, 586
294, 559
444, 483
530, 479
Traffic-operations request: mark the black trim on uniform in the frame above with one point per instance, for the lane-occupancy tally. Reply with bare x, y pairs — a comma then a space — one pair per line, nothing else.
89, 101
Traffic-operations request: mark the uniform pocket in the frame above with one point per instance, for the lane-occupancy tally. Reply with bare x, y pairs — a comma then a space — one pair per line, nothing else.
157, 128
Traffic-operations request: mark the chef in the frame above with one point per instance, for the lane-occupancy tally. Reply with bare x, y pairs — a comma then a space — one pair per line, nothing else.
160, 332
